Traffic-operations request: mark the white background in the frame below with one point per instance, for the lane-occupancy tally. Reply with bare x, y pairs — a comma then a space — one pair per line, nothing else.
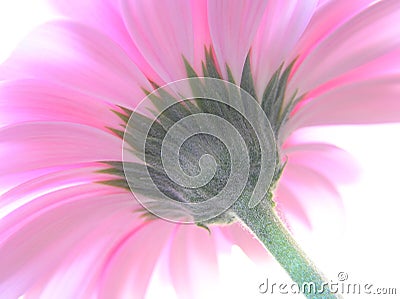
366, 246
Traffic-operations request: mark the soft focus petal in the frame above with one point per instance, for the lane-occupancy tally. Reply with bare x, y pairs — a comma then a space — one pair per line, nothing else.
106, 17
329, 16
383, 66
290, 206
241, 237
310, 180
331, 162
193, 262
130, 262
233, 26
41, 145
36, 100
45, 231
371, 101
315, 193
282, 25
368, 35
64, 177
80, 58
166, 31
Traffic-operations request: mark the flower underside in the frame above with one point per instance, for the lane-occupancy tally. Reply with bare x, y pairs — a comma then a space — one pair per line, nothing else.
273, 104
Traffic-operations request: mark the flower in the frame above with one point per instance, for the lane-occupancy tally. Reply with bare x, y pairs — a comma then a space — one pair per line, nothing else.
65, 91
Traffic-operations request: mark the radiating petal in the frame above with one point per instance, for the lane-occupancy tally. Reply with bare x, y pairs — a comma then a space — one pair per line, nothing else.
70, 176
105, 16
193, 262
330, 15
78, 57
318, 196
32, 146
233, 26
282, 25
333, 163
371, 101
366, 36
381, 67
130, 262
167, 31
35, 100
39, 235
291, 206
239, 236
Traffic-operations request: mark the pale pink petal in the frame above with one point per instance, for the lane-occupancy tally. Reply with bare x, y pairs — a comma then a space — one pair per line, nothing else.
329, 16
282, 25
233, 26
193, 262
316, 167
11, 180
381, 67
47, 229
44, 195
165, 31
128, 266
35, 100
32, 146
105, 16
333, 163
323, 2
80, 58
119, 258
70, 176
290, 206
241, 237
316, 193
371, 101
355, 43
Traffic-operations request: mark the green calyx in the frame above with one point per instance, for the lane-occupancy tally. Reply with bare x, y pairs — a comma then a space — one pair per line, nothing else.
273, 103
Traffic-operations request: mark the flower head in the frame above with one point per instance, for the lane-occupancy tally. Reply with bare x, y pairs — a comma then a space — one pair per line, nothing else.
70, 228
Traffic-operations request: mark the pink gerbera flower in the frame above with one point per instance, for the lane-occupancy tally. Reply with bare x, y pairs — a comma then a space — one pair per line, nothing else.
70, 227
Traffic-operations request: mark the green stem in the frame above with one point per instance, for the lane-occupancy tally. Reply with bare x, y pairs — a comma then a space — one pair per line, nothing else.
263, 221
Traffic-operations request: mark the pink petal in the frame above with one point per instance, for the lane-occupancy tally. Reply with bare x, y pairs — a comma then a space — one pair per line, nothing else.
311, 168
233, 26
165, 31
193, 262
74, 175
282, 25
365, 37
238, 235
331, 162
381, 67
291, 206
79, 58
323, 2
106, 17
33, 146
80, 273
372, 101
130, 263
46, 230
315, 192
329, 16
35, 100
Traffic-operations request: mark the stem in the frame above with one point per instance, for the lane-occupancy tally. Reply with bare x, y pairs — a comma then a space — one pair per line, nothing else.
263, 221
